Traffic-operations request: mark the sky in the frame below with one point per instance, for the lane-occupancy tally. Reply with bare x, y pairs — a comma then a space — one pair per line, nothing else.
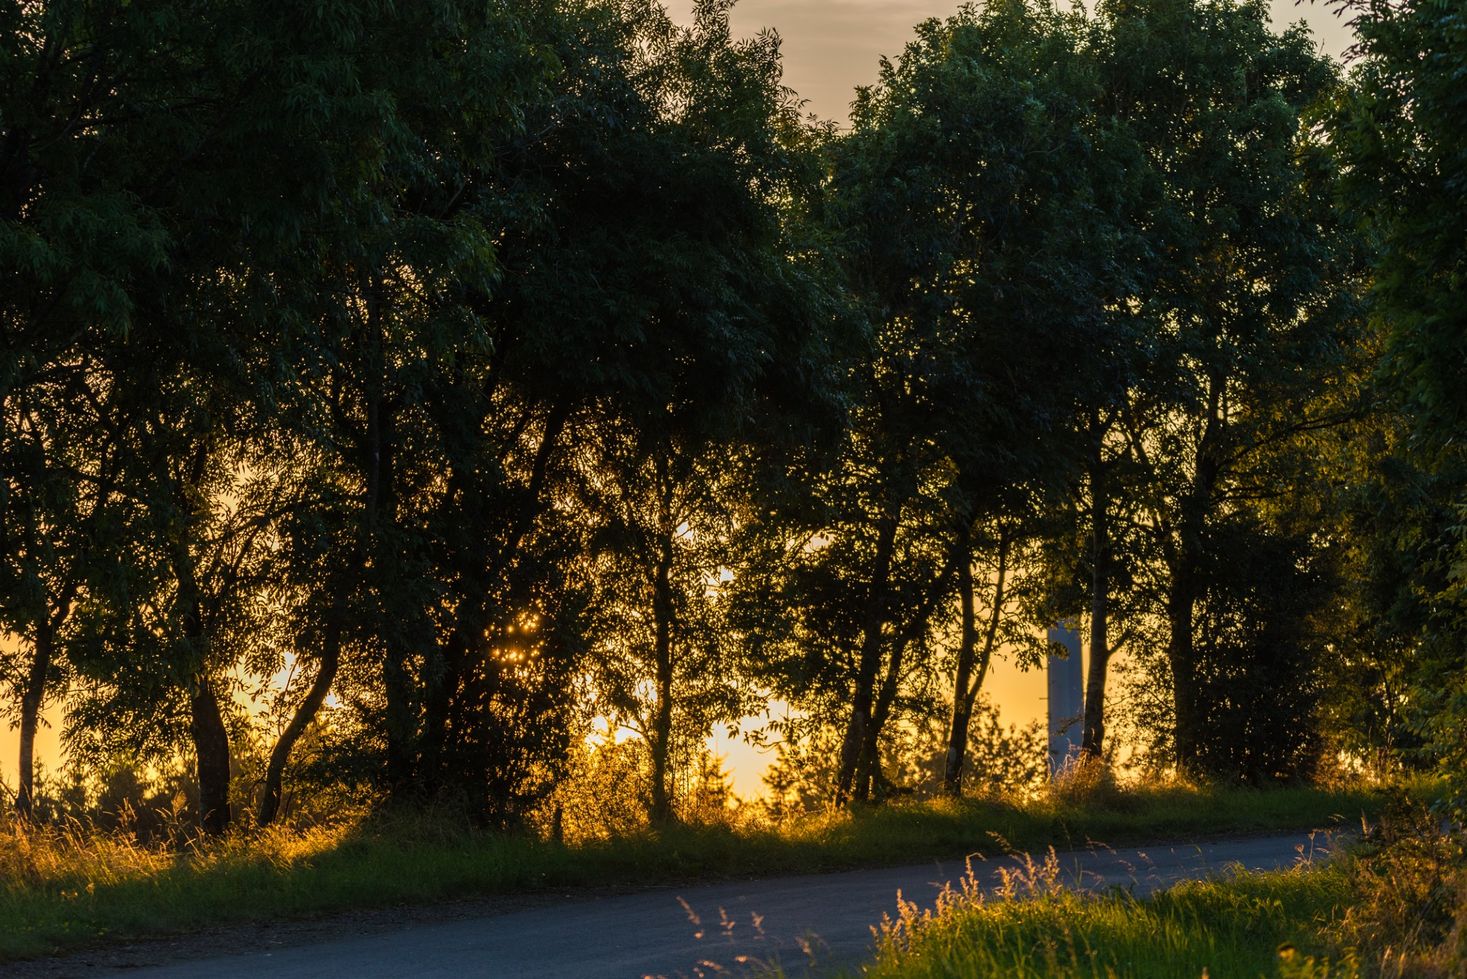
830, 47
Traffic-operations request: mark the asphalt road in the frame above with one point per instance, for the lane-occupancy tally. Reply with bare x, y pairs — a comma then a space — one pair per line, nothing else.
706, 930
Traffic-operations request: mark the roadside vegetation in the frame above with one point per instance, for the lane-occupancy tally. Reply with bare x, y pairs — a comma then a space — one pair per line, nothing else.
1036, 929
1393, 904
65, 888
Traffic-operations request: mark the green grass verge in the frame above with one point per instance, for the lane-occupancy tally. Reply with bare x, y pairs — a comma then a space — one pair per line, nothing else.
59, 893
1250, 925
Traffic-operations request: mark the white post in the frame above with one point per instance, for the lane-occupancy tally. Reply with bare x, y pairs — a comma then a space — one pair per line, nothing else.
1066, 696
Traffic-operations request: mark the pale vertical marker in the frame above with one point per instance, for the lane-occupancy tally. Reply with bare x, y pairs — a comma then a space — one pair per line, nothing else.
1066, 696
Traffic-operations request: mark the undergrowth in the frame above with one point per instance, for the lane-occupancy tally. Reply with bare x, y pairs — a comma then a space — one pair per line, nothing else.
1248, 925
1393, 905
67, 886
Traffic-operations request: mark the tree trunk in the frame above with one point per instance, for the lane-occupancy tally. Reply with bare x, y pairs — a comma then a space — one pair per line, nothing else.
874, 785
400, 721
1181, 656
400, 713
1092, 743
211, 749
857, 727
868, 770
957, 728
847, 788
305, 713
662, 614
1189, 732
445, 663
970, 660
206, 723
442, 680
31, 698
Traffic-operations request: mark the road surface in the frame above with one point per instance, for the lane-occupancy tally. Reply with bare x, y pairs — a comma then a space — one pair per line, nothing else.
704, 930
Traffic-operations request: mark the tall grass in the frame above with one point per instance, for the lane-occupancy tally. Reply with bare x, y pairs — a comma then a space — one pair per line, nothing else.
1408, 916
1263, 924
65, 887
1392, 906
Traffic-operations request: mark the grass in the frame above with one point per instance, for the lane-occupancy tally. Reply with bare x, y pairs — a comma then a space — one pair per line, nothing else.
1254, 924
67, 890
1390, 906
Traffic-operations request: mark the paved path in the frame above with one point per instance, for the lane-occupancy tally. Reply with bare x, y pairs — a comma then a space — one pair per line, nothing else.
678, 931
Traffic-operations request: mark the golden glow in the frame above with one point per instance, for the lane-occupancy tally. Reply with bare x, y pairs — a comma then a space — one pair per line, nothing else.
831, 46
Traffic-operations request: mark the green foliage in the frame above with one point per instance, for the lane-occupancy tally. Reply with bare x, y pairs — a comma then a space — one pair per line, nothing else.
1408, 905
975, 230
1250, 319
348, 347
1399, 131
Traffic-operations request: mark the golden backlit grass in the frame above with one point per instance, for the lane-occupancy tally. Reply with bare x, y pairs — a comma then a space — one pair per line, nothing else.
64, 888
1279, 923
1389, 907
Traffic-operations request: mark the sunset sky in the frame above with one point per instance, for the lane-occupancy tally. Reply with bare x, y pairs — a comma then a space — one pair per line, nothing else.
831, 46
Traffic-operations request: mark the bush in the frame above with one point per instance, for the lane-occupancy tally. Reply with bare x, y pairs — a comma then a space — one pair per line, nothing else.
1408, 916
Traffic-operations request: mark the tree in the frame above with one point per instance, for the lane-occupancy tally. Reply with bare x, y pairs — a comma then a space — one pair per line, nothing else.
1248, 307
720, 319
980, 242
77, 224
1398, 130
61, 492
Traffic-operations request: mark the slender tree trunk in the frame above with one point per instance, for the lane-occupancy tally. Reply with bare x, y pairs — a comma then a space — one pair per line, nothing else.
1181, 605
400, 720
446, 661
304, 714
400, 712
1190, 732
971, 660
873, 784
857, 727
957, 728
662, 613
869, 780
32, 696
847, 787
442, 682
1092, 743
206, 723
1181, 656
211, 749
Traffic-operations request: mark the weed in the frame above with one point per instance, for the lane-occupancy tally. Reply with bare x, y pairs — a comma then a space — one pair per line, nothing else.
1408, 912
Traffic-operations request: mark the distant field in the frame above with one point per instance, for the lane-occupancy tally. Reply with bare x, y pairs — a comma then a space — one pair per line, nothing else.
67, 890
